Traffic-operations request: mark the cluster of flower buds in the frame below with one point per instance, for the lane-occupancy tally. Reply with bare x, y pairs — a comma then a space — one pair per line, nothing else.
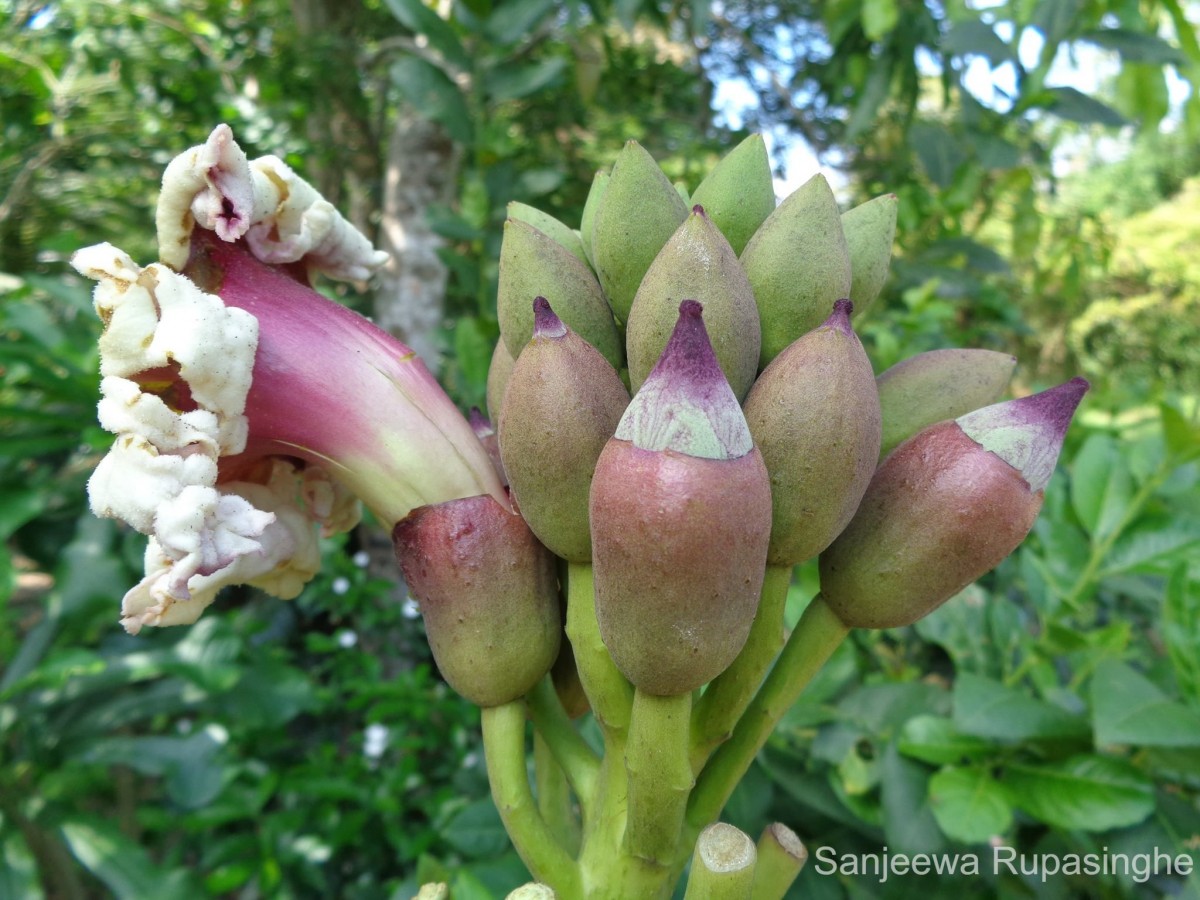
756, 426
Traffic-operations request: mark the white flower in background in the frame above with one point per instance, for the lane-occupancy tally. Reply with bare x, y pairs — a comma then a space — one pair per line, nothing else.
250, 411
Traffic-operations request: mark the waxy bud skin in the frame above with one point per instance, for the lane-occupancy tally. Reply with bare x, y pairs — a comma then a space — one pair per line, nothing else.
588, 220
739, 193
798, 265
681, 515
562, 405
814, 414
561, 234
488, 593
698, 263
532, 265
638, 213
944, 508
870, 230
937, 385
499, 371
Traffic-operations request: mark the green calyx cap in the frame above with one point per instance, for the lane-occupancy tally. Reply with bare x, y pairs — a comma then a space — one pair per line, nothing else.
937, 385
698, 263
870, 230
568, 238
739, 194
533, 264
685, 403
798, 264
1027, 433
638, 213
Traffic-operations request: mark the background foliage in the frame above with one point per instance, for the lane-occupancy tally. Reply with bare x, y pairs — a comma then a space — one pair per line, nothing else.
308, 748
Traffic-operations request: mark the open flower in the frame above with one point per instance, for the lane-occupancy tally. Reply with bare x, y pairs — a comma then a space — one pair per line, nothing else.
250, 411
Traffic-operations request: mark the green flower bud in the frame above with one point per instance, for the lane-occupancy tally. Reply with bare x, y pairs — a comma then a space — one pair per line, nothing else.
587, 223
639, 212
798, 265
738, 193
681, 515
944, 508
531, 265
488, 593
870, 230
499, 371
937, 385
814, 414
562, 405
697, 262
567, 237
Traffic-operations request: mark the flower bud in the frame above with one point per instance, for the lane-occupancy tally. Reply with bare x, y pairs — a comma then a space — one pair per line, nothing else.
588, 220
531, 265
639, 212
499, 371
814, 414
938, 385
697, 262
944, 508
739, 193
681, 515
870, 230
488, 594
562, 405
798, 265
561, 234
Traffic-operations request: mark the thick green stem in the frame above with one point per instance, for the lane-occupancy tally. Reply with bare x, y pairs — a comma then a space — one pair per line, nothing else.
781, 856
608, 691
537, 845
554, 795
818, 633
578, 761
722, 866
724, 701
659, 773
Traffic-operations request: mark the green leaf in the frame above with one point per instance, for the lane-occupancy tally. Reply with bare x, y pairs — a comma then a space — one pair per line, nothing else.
189, 764
934, 739
1101, 486
473, 349
974, 37
879, 17
476, 830
938, 150
908, 821
1154, 546
1083, 793
1136, 46
1055, 19
870, 98
420, 19
985, 708
513, 20
1181, 630
969, 805
1128, 708
17, 506
122, 865
1181, 434
431, 91
512, 81
1075, 106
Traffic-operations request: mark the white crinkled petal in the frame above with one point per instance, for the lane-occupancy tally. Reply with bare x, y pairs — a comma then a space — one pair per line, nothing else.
304, 225
155, 317
126, 409
280, 559
134, 480
205, 531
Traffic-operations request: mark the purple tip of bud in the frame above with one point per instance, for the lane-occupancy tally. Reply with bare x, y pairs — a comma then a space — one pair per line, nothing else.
685, 403
699, 210
545, 323
840, 317
480, 424
1028, 432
